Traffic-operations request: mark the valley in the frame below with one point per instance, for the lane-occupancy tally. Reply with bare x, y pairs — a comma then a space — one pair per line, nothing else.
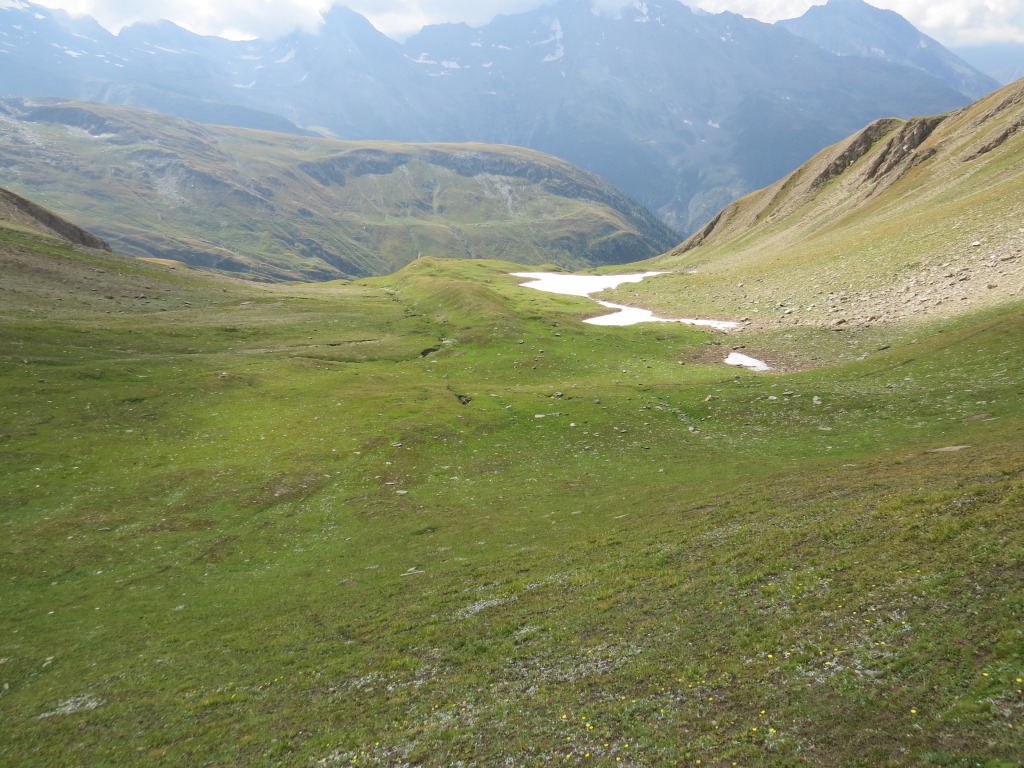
313, 454
434, 518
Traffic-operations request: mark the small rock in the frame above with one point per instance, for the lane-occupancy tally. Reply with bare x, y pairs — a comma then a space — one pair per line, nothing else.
710, 398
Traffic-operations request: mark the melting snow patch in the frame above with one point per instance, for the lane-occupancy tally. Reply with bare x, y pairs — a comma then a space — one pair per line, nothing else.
578, 285
287, 57
584, 285
634, 315
745, 361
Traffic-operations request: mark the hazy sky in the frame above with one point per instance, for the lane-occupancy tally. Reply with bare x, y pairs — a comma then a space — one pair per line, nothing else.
952, 22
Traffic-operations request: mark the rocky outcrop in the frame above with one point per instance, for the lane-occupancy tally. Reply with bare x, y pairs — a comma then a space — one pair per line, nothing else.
860, 146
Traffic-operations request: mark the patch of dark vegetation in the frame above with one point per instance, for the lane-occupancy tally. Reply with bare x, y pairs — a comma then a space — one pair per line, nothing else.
360, 162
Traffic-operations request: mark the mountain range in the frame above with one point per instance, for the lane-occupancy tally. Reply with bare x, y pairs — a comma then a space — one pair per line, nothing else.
683, 110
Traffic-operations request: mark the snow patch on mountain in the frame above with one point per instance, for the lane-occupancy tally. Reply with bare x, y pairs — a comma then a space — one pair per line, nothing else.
287, 57
556, 38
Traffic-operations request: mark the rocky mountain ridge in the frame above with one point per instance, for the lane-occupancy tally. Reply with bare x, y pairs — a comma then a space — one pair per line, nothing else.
855, 28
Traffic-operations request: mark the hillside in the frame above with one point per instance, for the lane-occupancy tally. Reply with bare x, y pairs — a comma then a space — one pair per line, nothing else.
282, 207
18, 213
904, 221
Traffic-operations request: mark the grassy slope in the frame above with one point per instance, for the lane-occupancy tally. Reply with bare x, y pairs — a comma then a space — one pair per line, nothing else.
285, 208
895, 225
299, 525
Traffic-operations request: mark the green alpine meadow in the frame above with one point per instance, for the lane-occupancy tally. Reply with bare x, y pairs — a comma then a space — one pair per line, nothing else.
432, 518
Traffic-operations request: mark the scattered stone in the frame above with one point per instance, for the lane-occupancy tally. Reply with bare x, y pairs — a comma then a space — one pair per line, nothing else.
710, 398
75, 704
949, 449
978, 417
816, 400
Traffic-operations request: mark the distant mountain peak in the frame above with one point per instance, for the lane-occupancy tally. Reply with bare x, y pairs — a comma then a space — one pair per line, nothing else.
857, 28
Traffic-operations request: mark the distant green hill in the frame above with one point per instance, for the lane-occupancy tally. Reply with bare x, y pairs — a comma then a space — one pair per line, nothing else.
282, 207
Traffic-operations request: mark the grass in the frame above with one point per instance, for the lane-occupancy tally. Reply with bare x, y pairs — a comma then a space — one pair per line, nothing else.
433, 519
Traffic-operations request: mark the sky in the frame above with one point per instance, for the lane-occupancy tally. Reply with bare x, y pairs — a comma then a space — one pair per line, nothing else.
951, 22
